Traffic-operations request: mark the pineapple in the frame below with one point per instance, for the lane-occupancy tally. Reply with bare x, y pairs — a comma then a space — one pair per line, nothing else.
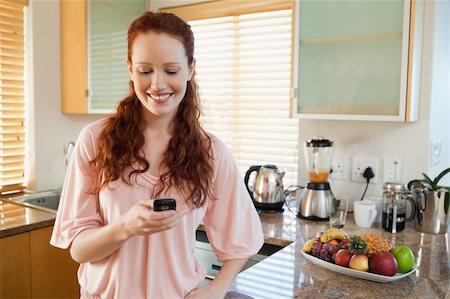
376, 243
357, 245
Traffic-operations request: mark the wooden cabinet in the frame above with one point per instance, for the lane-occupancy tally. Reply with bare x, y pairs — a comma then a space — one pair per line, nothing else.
53, 272
357, 60
73, 56
94, 75
31, 268
15, 271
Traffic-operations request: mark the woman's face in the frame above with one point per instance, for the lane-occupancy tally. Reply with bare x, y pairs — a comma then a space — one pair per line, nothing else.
160, 71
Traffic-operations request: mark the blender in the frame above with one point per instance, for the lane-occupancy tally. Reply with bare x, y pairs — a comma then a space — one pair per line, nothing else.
317, 197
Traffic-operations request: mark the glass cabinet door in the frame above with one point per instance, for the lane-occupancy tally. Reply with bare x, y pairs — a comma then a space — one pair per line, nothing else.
351, 59
108, 77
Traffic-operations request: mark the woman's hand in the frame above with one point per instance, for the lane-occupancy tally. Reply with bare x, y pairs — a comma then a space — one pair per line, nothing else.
218, 287
97, 243
141, 219
207, 292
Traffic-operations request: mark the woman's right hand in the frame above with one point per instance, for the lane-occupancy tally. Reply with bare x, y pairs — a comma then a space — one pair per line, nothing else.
141, 219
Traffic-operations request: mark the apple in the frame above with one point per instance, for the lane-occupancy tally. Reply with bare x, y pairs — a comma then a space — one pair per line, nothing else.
342, 257
359, 262
405, 258
383, 263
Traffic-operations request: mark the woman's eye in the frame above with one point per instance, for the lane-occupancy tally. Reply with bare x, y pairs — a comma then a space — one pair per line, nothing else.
144, 72
172, 72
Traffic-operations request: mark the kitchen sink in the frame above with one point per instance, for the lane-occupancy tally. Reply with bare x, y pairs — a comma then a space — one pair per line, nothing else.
47, 200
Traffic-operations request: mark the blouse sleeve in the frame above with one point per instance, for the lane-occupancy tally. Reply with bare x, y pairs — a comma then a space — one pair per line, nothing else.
231, 222
78, 210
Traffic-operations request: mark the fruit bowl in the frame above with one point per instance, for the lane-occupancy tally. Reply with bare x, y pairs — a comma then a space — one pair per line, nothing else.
356, 273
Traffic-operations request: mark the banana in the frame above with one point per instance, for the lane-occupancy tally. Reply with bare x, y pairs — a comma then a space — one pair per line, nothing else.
333, 233
309, 245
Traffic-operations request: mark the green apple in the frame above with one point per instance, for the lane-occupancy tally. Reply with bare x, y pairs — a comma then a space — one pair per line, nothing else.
405, 258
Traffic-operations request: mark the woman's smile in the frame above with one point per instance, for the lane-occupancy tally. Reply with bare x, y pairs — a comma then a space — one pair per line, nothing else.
160, 97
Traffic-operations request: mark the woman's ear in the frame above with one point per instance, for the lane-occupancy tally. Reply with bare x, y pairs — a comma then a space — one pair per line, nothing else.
130, 69
191, 70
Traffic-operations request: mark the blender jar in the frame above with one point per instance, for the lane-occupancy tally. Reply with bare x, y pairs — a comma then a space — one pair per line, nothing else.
318, 152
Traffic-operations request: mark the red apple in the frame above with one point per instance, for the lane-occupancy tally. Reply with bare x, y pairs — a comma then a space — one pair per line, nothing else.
359, 262
383, 263
343, 257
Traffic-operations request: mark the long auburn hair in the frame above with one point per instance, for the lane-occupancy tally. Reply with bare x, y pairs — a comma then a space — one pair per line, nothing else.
189, 154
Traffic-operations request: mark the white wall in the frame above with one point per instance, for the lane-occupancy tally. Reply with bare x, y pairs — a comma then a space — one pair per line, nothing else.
405, 141
51, 128
440, 89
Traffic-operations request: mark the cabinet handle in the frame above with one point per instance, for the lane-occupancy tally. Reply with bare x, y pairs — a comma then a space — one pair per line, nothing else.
216, 267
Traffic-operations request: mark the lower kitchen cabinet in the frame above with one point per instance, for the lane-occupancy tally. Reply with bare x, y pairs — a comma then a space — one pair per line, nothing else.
15, 268
32, 268
53, 272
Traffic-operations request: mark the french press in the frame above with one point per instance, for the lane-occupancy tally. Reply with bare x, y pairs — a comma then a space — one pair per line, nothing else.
395, 196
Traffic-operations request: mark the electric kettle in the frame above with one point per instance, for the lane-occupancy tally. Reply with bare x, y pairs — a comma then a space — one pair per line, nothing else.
267, 191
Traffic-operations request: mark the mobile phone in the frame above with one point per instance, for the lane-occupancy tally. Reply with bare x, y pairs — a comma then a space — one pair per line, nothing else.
164, 204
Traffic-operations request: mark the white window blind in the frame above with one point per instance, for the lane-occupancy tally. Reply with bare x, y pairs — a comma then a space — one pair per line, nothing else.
244, 73
12, 95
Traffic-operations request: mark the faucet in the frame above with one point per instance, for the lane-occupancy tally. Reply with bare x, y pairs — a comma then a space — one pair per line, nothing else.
68, 148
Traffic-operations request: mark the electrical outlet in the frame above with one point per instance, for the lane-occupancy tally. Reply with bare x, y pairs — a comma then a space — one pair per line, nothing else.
339, 168
392, 170
360, 164
435, 151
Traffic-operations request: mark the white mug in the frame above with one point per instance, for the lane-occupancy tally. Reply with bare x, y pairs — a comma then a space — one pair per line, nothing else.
378, 201
365, 213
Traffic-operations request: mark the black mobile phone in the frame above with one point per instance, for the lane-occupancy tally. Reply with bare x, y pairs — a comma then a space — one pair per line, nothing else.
164, 204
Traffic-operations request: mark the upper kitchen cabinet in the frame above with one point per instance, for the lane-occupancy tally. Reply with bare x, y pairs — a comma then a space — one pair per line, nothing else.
357, 60
94, 76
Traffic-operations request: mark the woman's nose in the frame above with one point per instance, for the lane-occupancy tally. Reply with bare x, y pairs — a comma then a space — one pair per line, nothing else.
158, 81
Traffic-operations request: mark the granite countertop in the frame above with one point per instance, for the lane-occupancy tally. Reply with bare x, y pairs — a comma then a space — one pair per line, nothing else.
287, 274
16, 219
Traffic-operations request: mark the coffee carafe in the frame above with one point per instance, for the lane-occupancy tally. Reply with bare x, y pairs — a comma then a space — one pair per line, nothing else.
395, 196
317, 197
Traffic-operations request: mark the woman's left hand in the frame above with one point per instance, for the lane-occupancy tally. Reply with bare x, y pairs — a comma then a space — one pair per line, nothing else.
206, 292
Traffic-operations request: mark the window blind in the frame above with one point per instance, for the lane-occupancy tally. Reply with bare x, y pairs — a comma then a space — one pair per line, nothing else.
243, 69
12, 95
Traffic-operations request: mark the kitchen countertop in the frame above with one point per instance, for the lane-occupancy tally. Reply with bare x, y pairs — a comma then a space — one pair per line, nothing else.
287, 274
16, 219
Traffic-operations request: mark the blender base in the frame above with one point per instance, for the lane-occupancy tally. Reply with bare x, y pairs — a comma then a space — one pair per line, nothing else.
315, 201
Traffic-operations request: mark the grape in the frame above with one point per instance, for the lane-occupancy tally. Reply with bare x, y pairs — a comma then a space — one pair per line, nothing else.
315, 251
326, 246
323, 253
344, 246
332, 250
318, 245
328, 258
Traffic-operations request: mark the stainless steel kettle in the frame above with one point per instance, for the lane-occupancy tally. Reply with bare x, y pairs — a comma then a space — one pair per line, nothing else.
267, 191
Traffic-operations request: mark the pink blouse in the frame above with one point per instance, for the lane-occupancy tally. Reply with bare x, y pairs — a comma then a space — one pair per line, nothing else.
160, 265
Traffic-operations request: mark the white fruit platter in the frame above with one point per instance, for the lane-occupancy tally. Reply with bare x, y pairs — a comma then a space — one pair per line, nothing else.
356, 273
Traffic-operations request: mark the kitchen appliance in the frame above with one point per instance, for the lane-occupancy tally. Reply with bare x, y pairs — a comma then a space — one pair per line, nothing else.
431, 216
267, 191
395, 196
317, 198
